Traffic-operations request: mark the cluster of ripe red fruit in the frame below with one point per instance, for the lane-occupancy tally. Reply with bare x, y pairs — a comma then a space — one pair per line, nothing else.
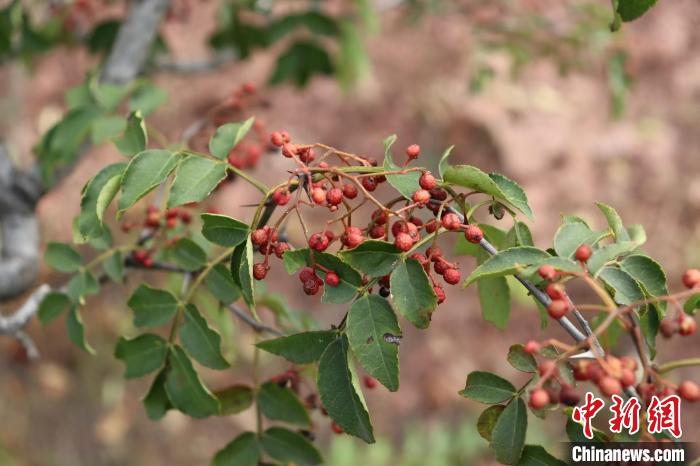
547, 393
561, 304
267, 241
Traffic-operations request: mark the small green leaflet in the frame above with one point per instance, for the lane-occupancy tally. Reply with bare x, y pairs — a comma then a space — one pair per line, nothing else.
412, 293
521, 360
242, 271
300, 348
508, 435
615, 222
234, 399
630, 10
444, 162
96, 197
76, 330
53, 305
507, 262
487, 420
188, 255
201, 341
135, 137
494, 297
241, 451
281, 404
62, 257
220, 282
372, 330
152, 307
289, 447
337, 392
145, 171
223, 230
486, 387
373, 258
227, 137
185, 389
195, 178
156, 400
142, 355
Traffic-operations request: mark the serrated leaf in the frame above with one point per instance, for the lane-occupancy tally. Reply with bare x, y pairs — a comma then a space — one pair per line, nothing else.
96, 197
141, 355
53, 305
76, 330
242, 271
105, 127
227, 137
536, 455
405, 183
518, 235
494, 297
289, 447
607, 254
281, 404
241, 451
487, 420
648, 273
221, 284
630, 10
152, 307
626, 290
373, 258
487, 387
301, 348
80, 286
235, 399
223, 230
508, 435
185, 389
521, 360
370, 321
337, 393
195, 178
201, 341
444, 161
188, 255
145, 171
156, 401
570, 236
615, 222
513, 193
62, 257
134, 138
412, 294
507, 262
114, 267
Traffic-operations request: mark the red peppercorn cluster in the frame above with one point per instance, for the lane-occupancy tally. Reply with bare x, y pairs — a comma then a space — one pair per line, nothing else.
267, 240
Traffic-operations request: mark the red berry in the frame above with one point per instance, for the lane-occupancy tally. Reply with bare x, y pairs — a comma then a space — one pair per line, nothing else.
277, 139
548, 369
350, 191
609, 386
171, 223
547, 272
539, 398
306, 274
555, 291
413, 151
420, 258
312, 286
148, 262
140, 255
441, 267
171, 213
185, 217
281, 248
403, 242
249, 88
281, 196
568, 396
557, 308
427, 181
352, 237
332, 279
451, 222
336, 428
318, 242
259, 237
451, 276
689, 391
532, 347
289, 150
153, 219
473, 234
377, 231
438, 194
627, 378
306, 154
691, 278
583, 253
687, 326
581, 372
370, 382
369, 183
318, 195
440, 293
421, 197
379, 217
432, 226
334, 196
434, 253
668, 328
259, 271
416, 221
628, 363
